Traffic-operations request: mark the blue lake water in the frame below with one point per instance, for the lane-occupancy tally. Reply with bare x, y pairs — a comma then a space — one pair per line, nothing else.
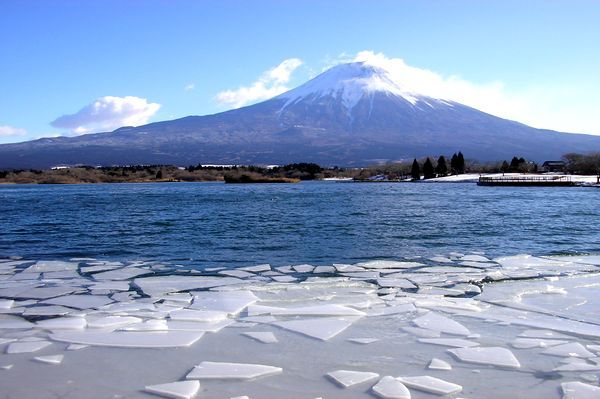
214, 224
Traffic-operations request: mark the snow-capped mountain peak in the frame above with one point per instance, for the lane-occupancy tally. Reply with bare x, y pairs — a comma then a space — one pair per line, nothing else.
350, 83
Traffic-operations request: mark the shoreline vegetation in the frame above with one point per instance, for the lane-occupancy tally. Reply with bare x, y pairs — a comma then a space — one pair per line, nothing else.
456, 170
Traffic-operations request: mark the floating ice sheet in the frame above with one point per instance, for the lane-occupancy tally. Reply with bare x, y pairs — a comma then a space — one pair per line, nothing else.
493, 356
159, 285
320, 310
576, 366
431, 385
231, 371
232, 302
452, 342
284, 279
265, 337
27, 347
527, 343
206, 316
363, 341
236, 273
44, 292
63, 323
176, 390
49, 310
126, 339
390, 388
177, 325
303, 268
579, 390
439, 364
549, 334
321, 328
14, 322
573, 349
125, 273
51, 266
257, 268
6, 303
324, 269
76, 347
437, 322
395, 282
388, 264
51, 359
112, 322
148, 325
348, 378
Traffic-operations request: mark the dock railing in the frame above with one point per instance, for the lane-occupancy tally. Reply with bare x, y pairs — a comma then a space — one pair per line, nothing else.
526, 180
518, 179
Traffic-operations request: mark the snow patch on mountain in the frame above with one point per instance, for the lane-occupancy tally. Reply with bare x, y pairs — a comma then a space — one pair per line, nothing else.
350, 83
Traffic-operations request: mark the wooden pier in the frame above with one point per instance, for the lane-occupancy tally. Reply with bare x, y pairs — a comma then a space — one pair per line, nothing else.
527, 181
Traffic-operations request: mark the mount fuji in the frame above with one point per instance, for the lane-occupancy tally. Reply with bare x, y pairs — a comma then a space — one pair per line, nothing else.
353, 114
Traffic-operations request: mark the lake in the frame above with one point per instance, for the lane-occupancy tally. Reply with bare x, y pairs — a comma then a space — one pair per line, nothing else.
215, 224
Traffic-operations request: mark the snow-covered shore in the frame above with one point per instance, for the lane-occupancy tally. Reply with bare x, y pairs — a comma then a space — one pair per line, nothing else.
474, 177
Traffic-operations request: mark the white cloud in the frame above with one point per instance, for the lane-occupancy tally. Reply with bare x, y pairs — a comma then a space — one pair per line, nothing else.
10, 134
9, 131
270, 84
189, 87
108, 113
489, 97
548, 107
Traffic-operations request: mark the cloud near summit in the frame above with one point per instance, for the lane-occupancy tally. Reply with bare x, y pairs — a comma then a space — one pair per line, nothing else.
108, 113
540, 107
488, 97
270, 84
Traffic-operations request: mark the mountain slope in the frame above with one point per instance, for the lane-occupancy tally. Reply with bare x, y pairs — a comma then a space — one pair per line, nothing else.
352, 114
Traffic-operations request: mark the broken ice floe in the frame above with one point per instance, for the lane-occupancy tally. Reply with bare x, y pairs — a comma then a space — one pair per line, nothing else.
493, 356
231, 371
52, 359
130, 339
439, 364
348, 378
574, 349
430, 384
452, 342
437, 322
323, 328
579, 390
176, 390
390, 388
363, 341
412, 309
27, 347
266, 337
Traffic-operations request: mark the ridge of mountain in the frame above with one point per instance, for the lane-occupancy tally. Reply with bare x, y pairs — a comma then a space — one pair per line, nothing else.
350, 115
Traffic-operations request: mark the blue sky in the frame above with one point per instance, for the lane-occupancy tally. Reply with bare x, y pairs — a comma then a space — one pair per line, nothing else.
143, 61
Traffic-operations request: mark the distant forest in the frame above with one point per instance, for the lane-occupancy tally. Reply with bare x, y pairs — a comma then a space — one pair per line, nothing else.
424, 168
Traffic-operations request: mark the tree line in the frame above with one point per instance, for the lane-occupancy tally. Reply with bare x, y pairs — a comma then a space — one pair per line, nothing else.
457, 167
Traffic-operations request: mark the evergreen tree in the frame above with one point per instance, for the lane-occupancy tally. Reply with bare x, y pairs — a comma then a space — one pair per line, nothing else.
460, 163
415, 171
428, 171
514, 164
505, 167
441, 169
159, 174
454, 164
